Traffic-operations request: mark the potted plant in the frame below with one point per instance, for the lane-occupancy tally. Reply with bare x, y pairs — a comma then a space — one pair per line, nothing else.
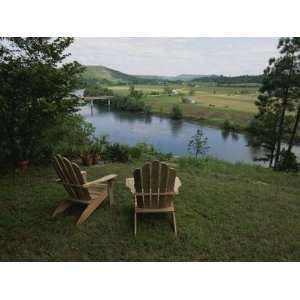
22, 161
86, 156
98, 147
23, 165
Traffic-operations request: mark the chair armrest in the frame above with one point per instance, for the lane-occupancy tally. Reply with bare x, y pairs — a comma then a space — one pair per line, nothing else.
177, 185
104, 179
84, 175
130, 184
58, 180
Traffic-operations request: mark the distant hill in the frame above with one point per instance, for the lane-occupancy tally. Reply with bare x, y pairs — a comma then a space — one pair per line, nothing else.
181, 77
101, 73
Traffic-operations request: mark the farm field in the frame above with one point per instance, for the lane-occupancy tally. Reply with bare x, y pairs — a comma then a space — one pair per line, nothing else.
213, 104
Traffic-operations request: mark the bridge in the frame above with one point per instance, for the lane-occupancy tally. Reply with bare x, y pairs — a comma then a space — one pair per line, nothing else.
106, 99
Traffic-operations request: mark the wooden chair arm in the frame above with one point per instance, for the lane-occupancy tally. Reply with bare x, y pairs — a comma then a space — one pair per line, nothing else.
84, 175
104, 179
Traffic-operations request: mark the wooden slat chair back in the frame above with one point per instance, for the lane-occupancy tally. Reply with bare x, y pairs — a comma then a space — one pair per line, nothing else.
72, 179
79, 190
154, 185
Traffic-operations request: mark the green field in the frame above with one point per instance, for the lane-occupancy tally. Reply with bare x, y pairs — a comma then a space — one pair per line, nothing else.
214, 104
225, 212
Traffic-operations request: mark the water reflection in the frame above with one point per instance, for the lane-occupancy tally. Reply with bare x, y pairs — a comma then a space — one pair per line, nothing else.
228, 133
176, 127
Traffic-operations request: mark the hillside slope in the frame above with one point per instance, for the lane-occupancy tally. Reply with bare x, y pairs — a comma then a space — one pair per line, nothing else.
102, 73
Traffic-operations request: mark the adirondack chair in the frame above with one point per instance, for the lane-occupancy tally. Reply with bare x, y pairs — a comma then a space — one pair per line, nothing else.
91, 193
154, 187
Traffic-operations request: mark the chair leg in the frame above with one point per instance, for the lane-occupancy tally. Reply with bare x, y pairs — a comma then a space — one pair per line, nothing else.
135, 223
88, 211
110, 193
174, 223
61, 207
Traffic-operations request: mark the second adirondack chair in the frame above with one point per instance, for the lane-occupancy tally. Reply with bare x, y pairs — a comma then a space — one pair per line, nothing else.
154, 187
92, 193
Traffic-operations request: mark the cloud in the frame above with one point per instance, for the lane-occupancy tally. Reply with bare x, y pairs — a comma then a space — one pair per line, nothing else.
173, 56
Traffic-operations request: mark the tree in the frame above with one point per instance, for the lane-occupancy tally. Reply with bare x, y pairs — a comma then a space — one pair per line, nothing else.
33, 82
198, 144
176, 113
135, 93
277, 93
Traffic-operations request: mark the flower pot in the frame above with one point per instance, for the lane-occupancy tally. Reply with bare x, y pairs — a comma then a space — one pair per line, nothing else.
86, 160
23, 165
95, 159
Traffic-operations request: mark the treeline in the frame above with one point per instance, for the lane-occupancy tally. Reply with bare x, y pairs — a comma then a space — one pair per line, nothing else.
243, 79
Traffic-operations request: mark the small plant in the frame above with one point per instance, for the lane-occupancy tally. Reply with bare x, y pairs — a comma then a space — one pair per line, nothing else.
98, 147
116, 152
85, 154
198, 144
176, 113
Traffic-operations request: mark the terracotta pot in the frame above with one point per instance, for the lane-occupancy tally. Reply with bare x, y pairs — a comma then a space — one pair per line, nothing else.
95, 159
86, 160
23, 165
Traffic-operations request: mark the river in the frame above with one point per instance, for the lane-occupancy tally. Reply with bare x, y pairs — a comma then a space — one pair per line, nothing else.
168, 135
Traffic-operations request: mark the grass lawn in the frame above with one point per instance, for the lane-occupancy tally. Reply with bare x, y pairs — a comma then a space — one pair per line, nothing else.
214, 104
225, 212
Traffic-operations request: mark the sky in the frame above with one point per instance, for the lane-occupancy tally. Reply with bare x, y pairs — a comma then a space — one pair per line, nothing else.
175, 56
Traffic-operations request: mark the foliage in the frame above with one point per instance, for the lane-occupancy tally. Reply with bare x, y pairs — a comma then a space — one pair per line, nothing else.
176, 113
135, 93
288, 161
198, 144
135, 152
167, 90
149, 152
70, 137
230, 126
116, 152
191, 92
278, 95
131, 104
97, 90
99, 144
34, 79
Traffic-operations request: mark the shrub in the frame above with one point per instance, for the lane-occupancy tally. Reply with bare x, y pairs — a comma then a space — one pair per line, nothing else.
132, 104
176, 113
67, 138
149, 152
288, 162
230, 126
135, 152
198, 144
116, 152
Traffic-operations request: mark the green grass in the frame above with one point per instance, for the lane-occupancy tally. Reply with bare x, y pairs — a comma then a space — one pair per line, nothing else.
225, 212
214, 104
